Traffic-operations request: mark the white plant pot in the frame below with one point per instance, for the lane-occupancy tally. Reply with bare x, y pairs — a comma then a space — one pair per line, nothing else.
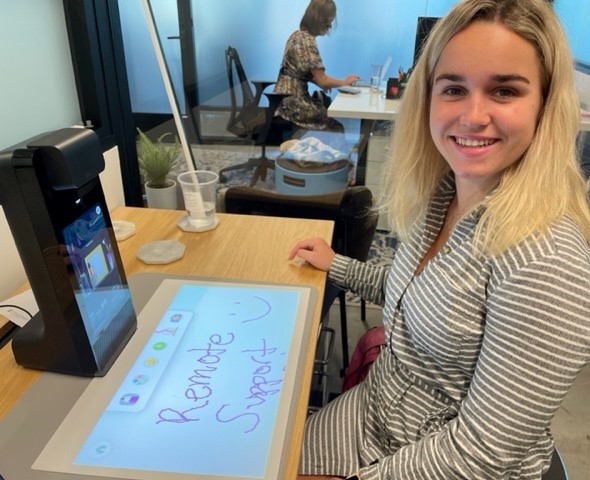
165, 197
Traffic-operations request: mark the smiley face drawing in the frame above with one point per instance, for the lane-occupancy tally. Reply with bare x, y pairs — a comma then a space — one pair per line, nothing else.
252, 308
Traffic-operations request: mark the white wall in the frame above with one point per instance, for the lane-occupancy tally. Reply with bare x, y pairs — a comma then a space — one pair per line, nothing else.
112, 183
37, 95
12, 273
37, 85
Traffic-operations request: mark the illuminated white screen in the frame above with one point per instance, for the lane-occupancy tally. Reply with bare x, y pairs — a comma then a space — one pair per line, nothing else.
202, 393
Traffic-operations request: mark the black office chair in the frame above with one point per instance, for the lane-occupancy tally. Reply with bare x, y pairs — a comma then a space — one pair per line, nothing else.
354, 227
248, 120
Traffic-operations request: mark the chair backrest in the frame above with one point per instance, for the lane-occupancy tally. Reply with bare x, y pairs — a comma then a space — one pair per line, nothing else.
359, 223
245, 116
234, 66
354, 220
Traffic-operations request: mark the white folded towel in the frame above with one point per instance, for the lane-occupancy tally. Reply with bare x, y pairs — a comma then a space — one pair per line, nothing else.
312, 149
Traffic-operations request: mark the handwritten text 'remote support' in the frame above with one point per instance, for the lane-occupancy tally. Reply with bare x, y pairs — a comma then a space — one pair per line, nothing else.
264, 365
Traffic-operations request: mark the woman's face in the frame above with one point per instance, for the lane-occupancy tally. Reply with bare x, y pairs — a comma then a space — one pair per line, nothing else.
327, 26
486, 99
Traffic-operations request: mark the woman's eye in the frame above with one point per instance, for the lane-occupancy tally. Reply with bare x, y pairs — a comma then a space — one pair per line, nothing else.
505, 93
452, 91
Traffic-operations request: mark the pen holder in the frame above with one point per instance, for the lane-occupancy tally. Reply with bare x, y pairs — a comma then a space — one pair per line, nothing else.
393, 90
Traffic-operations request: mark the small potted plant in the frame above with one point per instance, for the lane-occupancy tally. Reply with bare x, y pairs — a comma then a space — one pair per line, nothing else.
156, 160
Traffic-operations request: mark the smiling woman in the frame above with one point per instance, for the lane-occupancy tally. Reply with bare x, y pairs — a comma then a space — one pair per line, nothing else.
537, 99
483, 116
486, 314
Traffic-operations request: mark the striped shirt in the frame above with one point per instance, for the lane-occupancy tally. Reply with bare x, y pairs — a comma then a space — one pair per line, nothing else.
481, 351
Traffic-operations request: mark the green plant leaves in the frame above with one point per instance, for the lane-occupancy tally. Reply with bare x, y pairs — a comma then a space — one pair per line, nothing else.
156, 159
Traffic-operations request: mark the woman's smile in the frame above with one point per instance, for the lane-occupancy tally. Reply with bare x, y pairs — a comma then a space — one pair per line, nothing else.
483, 115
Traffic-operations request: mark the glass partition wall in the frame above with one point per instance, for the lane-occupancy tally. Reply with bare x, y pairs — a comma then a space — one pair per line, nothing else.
193, 36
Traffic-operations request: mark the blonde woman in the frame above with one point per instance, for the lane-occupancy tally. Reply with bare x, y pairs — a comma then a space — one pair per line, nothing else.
486, 305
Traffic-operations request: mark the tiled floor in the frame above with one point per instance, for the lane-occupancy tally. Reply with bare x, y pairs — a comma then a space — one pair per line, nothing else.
571, 426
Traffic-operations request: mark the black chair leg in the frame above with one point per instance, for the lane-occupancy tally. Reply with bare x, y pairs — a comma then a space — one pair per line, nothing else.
261, 171
251, 163
363, 310
343, 331
260, 165
263, 165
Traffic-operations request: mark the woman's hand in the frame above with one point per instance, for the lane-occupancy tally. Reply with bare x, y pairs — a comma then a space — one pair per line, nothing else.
351, 79
315, 251
326, 82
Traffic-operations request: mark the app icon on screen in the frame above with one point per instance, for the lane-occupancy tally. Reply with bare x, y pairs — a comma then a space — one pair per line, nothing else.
167, 331
140, 379
129, 399
101, 449
150, 362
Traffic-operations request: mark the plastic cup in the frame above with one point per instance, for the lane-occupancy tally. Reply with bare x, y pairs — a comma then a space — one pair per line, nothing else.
375, 77
199, 190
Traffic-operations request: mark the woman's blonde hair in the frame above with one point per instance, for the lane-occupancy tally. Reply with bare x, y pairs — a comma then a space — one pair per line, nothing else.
534, 192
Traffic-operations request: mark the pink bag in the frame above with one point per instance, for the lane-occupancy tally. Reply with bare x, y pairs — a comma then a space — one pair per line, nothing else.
365, 353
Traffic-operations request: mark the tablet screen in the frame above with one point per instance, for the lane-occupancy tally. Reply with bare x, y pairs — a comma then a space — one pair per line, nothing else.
204, 388
101, 294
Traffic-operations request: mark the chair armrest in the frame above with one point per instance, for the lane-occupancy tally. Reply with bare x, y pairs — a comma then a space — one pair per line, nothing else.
274, 100
259, 87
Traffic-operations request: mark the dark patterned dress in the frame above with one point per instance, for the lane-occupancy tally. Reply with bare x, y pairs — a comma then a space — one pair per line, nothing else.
301, 56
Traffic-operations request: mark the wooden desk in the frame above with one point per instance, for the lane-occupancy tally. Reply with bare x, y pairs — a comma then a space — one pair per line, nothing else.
242, 248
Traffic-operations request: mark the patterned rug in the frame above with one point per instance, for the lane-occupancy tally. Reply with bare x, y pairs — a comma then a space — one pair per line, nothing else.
216, 159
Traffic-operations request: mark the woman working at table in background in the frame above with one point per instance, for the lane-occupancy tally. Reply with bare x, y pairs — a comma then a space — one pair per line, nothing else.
486, 305
302, 64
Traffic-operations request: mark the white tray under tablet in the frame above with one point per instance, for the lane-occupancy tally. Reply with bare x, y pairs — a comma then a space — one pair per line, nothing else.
204, 389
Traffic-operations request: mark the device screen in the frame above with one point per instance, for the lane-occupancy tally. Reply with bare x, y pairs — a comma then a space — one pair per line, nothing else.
205, 388
100, 292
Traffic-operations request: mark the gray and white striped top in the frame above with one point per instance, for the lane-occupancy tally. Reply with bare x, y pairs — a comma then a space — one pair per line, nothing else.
481, 352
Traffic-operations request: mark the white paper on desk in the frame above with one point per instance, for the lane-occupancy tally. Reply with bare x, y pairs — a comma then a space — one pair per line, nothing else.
24, 300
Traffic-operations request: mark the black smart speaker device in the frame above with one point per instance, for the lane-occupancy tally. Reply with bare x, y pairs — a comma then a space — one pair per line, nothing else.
56, 210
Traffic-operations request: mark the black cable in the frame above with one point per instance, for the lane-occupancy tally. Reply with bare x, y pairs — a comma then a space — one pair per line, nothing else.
8, 330
18, 308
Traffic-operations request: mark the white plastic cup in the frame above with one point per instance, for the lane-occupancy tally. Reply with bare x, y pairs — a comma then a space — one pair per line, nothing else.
375, 77
199, 190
